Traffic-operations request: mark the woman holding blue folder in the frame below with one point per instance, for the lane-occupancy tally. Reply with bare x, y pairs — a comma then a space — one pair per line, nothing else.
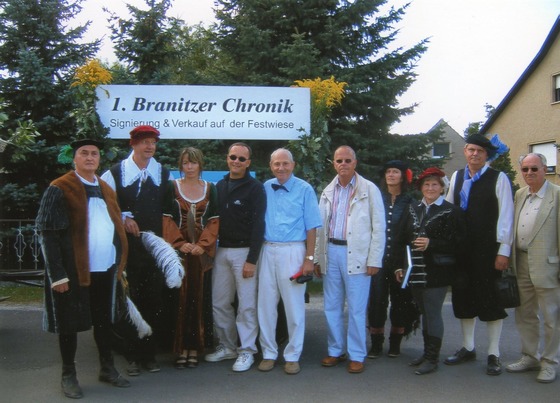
433, 229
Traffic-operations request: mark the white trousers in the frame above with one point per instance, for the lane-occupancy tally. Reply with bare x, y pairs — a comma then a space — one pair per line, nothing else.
338, 285
277, 263
533, 299
227, 281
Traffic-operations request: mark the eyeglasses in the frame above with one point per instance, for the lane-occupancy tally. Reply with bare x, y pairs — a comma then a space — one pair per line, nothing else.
234, 157
533, 169
148, 142
347, 160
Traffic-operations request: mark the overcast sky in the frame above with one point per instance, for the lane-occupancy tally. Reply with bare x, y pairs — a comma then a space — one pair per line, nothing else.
477, 50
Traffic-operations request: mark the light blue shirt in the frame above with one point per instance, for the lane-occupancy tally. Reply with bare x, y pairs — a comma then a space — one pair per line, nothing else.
290, 212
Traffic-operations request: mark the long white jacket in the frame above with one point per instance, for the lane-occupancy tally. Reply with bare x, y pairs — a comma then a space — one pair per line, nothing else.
365, 229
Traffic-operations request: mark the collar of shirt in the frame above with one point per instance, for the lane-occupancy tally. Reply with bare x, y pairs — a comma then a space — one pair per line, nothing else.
437, 202
540, 193
289, 184
94, 183
351, 183
131, 172
482, 170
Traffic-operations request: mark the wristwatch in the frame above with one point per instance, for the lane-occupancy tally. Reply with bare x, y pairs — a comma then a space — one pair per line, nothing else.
310, 257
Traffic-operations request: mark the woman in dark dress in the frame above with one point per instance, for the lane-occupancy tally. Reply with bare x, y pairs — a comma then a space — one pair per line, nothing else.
434, 229
396, 178
198, 222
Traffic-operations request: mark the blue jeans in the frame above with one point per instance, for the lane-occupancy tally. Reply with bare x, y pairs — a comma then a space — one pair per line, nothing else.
339, 286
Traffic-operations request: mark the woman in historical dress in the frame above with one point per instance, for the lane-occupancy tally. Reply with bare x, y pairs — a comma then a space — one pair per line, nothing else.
434, 229
197, 215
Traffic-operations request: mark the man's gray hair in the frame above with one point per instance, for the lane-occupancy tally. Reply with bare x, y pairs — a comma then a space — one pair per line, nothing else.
347, 148
282, 150
541, 157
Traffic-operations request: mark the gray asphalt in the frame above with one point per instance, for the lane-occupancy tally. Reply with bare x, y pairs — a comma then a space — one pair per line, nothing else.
30, 371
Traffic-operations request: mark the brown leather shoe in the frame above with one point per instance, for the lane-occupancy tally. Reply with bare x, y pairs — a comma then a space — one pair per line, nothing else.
355, 367
332, 361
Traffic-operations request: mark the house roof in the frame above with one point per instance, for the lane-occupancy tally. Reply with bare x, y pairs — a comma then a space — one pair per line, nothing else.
526, 74
447, 129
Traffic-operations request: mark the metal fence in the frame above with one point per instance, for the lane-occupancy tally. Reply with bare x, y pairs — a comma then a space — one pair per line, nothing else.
20, 252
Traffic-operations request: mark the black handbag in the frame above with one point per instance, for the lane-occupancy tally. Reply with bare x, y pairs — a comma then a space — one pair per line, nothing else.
507, 290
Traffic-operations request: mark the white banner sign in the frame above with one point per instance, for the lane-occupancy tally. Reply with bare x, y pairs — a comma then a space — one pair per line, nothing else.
206, 112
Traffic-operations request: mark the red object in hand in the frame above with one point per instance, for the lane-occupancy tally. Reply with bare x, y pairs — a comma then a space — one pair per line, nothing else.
301, 278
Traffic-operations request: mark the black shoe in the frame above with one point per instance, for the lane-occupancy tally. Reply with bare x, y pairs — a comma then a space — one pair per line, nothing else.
376, 346
494, 366
109, 373
117, 380
70, 386
133, 369
461, 356
374, 352
417, 361
427, 367
395, 345
151, 366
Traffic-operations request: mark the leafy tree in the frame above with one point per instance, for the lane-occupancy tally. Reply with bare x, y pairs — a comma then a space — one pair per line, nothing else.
274, 42
39, 49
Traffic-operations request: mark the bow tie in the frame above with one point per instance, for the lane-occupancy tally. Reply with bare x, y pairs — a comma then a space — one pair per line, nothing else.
93, 191
276, 187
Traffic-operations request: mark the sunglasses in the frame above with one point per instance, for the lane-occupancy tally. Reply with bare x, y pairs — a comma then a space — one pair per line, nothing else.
533, 169
235, 157
347, 160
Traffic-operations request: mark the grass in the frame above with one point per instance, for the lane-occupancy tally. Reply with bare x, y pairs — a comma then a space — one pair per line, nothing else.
21, 294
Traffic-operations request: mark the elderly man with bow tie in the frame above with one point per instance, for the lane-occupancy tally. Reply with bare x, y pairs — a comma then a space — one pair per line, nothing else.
292, 217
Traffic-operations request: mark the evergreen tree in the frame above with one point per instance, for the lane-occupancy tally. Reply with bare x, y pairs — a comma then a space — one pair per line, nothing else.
199, 61
274, 42
39, 50
145, 41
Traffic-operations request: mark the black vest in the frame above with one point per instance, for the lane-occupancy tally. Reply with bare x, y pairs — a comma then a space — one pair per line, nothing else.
146, 205
482, 211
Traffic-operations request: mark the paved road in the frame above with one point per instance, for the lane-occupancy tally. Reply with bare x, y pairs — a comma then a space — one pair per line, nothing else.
30, 372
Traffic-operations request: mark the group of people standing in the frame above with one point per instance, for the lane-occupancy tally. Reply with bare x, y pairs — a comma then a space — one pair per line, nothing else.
467, 240
246, 246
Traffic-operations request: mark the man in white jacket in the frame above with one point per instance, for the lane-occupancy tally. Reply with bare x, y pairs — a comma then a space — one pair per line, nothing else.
350, 249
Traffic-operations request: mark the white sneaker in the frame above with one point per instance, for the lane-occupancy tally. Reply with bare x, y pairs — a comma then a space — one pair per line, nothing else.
243, 362
525, 363
221, 353
548, 373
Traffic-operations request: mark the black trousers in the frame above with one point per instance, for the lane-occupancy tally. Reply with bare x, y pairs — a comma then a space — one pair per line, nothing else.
100, 308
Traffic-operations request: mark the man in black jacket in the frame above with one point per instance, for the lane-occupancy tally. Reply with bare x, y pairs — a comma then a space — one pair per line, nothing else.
85, 248
141, 184
242, 205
